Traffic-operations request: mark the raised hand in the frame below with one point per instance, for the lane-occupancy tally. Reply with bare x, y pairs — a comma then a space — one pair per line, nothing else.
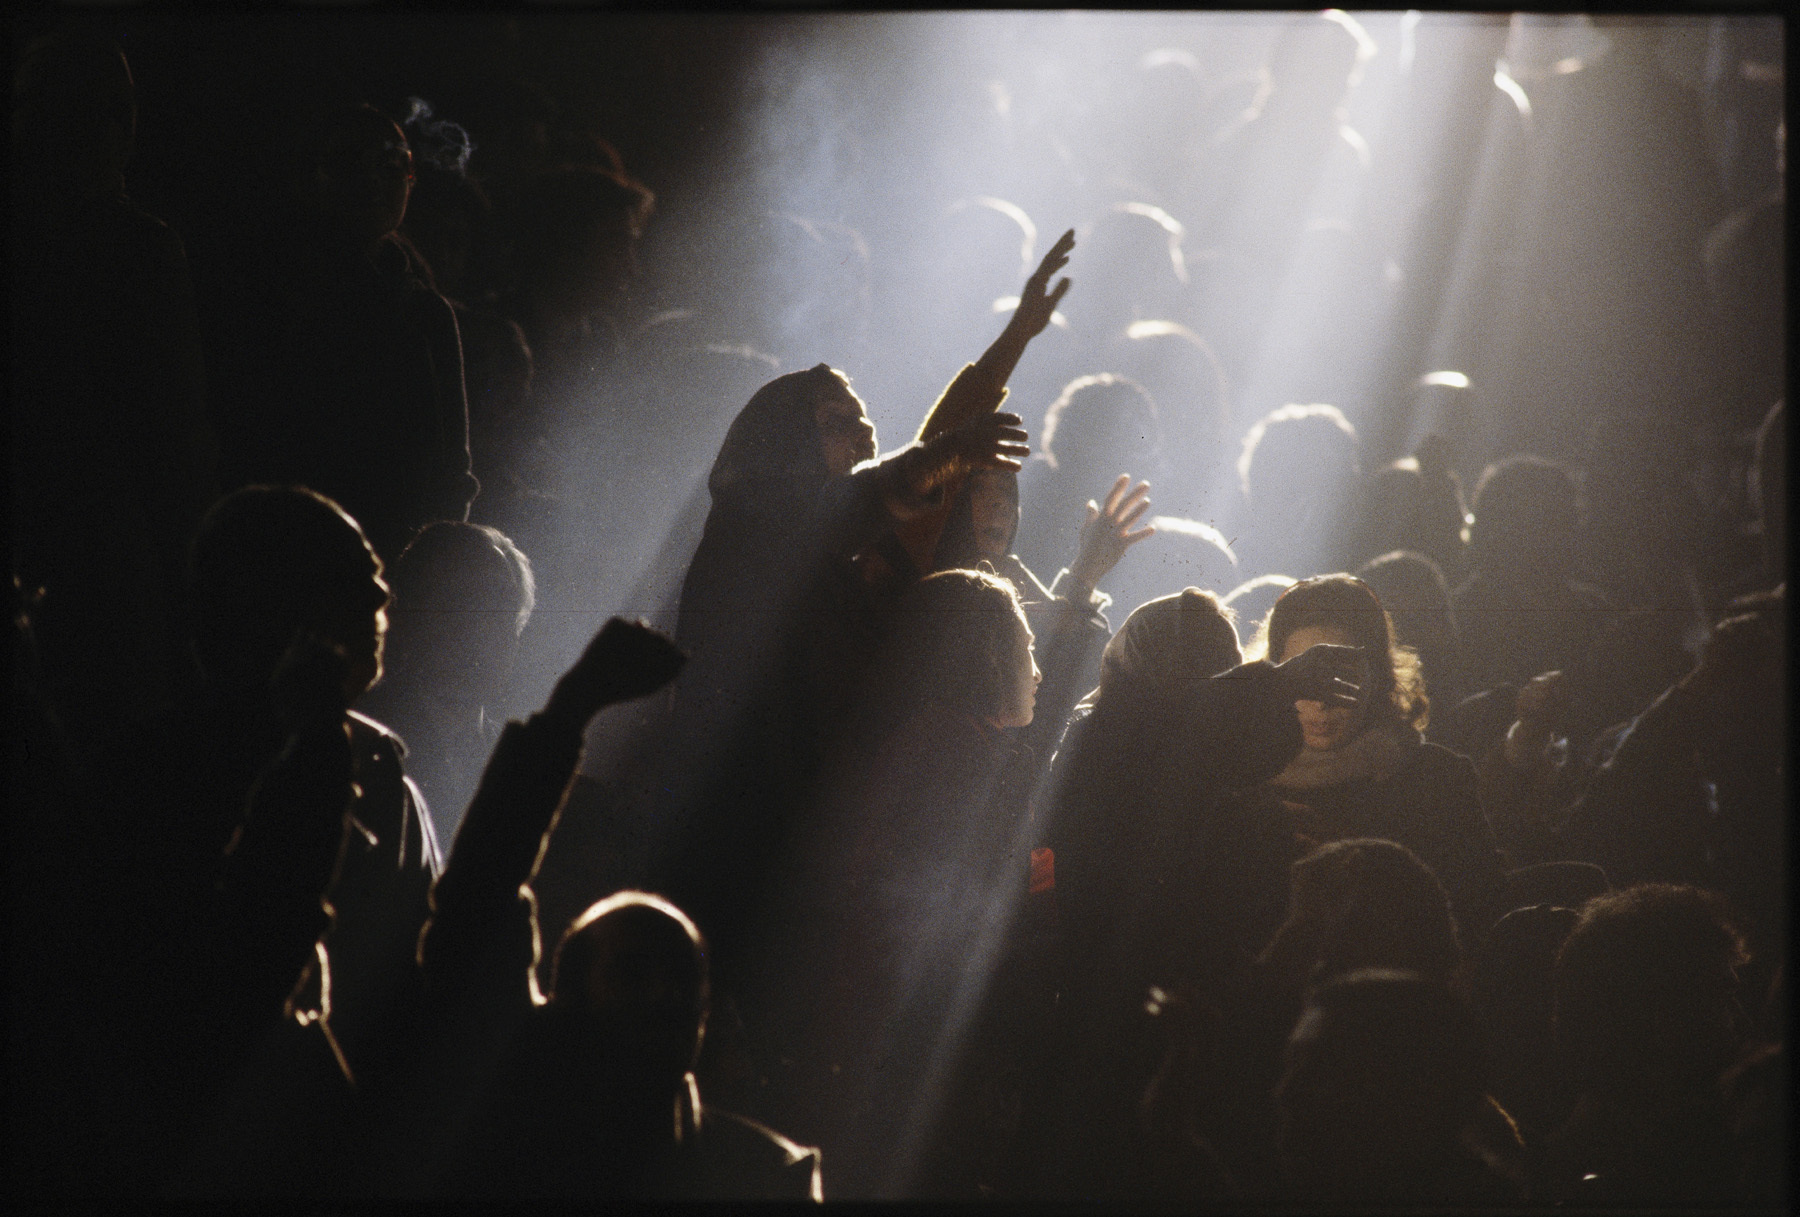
988, 441
626, 660
1325, 673
1038, 300
1107, 533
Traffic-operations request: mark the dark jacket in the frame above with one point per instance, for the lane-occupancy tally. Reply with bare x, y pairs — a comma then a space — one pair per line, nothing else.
1429, 803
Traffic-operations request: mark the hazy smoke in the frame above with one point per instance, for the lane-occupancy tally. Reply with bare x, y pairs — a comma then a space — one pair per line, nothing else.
443, 143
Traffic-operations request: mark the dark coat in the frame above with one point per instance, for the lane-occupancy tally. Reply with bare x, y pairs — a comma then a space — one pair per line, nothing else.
352, 386
1430, 804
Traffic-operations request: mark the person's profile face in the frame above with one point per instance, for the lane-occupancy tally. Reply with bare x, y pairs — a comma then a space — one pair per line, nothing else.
1325, 728
994, 512
355, 618
846, 436
369, 186
1022, 677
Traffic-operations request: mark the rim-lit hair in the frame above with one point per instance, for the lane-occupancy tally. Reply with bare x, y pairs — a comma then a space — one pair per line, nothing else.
1286, 417
1086, 385
957, 628
569, 953
1347, 604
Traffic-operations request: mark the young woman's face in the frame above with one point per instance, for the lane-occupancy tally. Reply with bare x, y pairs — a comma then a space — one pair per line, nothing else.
1022, 678
1325, 727
846, 436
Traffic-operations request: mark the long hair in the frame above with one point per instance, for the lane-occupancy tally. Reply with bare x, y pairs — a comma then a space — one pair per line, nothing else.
955, 630
1348, 605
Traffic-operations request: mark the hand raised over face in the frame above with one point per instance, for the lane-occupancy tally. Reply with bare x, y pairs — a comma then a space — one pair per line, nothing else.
988, 441
1329, 674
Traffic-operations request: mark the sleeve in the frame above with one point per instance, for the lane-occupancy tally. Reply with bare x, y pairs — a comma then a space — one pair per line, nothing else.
970, 393
270, 908
1240, 727
481, 915
1070, 638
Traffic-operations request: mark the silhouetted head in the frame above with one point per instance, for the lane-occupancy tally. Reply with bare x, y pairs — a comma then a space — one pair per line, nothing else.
1413, 591
1385, 1071
964, 643
269, 561
362, 172
1344, 611
1100, 426
576, 232
445, 217
1141, 244
1526, 513
1310, 65
462, 596
1647, 992
1405, 506
629, 987
1364, 903
74, 110
1298, 462
801, 427
983, 521
1167, 644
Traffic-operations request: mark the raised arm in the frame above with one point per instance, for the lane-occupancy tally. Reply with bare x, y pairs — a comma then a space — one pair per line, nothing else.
1037, 303
523, 788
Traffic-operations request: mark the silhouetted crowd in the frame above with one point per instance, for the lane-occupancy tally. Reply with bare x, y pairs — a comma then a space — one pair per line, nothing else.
889, 870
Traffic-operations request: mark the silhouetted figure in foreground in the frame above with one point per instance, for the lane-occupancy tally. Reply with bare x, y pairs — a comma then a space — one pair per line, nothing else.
801, 552
111, 459
601, 1101
355, 384
1382, 1098
905, 884
260, 830
1161, 876
1647, 1020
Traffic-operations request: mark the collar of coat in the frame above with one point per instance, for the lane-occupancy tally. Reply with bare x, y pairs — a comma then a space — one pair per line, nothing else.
1375, 754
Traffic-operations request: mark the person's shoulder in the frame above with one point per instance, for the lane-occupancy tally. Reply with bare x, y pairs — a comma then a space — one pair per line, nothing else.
366, 734
1434, 762
746, 1159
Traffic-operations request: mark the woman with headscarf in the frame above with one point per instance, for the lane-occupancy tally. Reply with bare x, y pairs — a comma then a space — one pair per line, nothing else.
1364, 770
780, 608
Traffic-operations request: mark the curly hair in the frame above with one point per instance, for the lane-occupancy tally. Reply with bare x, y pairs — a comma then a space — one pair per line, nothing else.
1349, 606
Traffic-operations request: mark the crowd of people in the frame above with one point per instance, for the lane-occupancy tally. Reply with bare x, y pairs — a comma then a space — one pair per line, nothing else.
889, 869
